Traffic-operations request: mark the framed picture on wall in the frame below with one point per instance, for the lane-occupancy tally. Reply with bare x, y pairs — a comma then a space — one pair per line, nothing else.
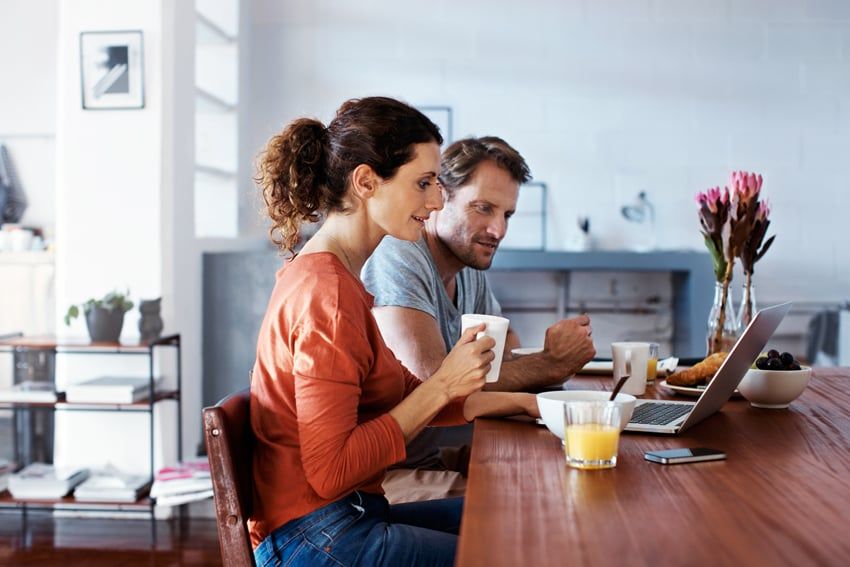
111, 70
527, 227
442, 117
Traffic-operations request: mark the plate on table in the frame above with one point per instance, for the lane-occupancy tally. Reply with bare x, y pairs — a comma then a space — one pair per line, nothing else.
598, 367
526, 350
605, 367
694, 391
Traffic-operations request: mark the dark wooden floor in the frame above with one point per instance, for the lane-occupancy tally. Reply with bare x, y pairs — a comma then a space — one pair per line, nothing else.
44, 540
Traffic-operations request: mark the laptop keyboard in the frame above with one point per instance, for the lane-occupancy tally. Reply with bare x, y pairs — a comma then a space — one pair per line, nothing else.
659, 413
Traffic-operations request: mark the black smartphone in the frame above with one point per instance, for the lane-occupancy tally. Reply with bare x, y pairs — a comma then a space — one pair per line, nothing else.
676, 456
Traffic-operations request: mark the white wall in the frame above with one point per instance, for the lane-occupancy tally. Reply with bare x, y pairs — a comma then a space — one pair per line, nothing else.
109, 167
27, 100
605, 98
115, 221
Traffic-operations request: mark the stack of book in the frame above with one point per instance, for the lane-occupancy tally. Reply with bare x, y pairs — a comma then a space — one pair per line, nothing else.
30, 391
185, 482
111, 485
45, 482
109, 390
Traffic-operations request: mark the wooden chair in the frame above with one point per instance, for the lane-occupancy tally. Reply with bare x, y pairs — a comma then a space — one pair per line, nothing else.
227, 430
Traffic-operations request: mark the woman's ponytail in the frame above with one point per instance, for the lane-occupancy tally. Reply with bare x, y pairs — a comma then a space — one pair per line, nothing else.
291, 172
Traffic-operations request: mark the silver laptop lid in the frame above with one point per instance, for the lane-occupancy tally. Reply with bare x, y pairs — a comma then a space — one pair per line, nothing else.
742, 355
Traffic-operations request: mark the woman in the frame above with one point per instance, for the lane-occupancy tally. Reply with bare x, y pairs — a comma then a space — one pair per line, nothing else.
331, 407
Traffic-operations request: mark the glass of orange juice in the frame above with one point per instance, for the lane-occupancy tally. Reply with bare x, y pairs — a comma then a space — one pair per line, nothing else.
652, 363
591, 434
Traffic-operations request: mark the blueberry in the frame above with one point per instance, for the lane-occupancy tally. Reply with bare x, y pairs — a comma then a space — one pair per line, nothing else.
773, 353
794, 366
787, 358
774, 364
761, 363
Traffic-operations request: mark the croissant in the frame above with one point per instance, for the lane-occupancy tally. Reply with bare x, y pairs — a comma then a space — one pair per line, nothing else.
699, 373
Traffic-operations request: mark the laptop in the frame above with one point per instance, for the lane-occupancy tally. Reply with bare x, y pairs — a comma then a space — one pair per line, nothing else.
673, 417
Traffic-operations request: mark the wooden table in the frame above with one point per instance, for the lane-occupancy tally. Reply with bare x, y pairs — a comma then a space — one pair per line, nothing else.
781, 498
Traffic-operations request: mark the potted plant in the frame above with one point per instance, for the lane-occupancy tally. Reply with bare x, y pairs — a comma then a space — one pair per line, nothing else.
104, 317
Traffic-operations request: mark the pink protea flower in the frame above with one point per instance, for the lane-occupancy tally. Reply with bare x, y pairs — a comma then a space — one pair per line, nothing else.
713, 216
746, 185
733, 223
752, 249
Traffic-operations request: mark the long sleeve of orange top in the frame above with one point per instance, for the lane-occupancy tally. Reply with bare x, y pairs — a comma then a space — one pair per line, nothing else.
339, 451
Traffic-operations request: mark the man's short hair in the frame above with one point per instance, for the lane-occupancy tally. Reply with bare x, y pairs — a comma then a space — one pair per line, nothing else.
461, 158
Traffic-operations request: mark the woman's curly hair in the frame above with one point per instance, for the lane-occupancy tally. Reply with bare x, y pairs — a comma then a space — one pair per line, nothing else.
304, 171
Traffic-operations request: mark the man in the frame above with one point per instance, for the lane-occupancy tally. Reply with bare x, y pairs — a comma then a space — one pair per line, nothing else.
421, 290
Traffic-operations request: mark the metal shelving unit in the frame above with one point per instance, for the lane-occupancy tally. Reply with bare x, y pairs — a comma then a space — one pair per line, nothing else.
16, 344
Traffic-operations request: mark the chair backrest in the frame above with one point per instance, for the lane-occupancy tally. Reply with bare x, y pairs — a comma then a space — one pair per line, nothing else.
230, 443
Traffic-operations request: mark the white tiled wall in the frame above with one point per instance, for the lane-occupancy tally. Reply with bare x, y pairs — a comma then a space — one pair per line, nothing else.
606, 98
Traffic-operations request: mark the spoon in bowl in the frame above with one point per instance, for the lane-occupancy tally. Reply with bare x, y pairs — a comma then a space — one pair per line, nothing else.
618, 387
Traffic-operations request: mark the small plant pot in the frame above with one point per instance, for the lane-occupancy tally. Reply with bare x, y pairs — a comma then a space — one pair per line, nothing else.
104, 324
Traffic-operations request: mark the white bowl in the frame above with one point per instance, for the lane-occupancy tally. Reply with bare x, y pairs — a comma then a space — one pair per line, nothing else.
774, 389
551, 405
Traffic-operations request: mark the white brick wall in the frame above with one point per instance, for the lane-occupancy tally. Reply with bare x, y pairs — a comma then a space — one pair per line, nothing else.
606, 98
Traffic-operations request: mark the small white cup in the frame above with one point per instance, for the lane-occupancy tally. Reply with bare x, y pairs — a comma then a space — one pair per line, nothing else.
631, 358
497, 328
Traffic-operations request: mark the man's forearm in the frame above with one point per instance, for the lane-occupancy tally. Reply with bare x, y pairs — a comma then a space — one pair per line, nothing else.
529, 372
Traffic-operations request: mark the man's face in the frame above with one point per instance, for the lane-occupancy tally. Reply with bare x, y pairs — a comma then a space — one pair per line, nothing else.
475, 218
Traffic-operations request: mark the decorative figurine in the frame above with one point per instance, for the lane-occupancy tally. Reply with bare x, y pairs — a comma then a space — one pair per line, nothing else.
150, 324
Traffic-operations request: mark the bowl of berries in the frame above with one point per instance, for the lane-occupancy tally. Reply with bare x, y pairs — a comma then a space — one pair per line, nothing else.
775, 380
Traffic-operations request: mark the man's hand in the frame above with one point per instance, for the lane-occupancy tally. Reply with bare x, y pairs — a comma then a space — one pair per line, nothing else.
567, 348
569, 345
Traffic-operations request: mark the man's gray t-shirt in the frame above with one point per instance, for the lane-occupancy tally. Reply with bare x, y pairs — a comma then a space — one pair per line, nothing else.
403, 274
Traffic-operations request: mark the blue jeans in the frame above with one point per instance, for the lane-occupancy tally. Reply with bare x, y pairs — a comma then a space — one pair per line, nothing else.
363, 529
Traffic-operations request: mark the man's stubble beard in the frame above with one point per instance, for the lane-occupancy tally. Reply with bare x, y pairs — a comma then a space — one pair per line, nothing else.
468, 257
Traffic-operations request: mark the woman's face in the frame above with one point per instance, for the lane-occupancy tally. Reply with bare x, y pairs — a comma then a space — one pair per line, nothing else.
400, 205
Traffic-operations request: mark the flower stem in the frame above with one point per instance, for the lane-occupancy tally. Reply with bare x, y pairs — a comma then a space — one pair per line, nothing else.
748, 304
721, 317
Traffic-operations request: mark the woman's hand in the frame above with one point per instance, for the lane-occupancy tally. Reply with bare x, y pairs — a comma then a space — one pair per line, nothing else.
464, 368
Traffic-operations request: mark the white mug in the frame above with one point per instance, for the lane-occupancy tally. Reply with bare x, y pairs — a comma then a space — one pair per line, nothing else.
497, 328
631, 358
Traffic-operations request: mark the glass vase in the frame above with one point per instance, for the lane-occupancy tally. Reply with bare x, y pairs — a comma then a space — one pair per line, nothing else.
730, 323
748, 308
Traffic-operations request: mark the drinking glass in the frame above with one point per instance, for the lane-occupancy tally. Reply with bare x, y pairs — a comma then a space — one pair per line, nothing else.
591, 434
652, 363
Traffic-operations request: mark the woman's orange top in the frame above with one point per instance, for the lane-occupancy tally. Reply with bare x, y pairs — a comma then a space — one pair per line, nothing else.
322, 385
